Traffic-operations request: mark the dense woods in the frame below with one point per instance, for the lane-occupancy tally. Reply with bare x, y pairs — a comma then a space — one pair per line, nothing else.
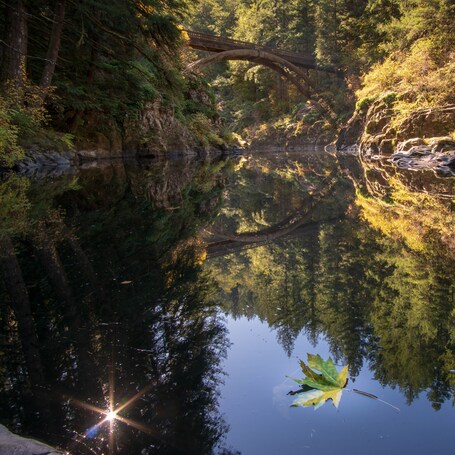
378, 45
84, 68
87, 67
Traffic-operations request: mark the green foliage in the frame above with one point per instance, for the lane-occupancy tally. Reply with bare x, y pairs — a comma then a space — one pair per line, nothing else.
408, 44
213, 16
419, 62
134, 62
363, 104
10, 151
14, 205
202, 129
24, 122
342, 34
319, 388
389, 98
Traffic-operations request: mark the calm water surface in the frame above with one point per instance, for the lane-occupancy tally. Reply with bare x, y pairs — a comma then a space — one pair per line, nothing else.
181, 295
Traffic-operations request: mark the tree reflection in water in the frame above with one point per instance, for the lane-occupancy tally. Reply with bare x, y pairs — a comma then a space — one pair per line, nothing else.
114, 284
110, 309
376, 281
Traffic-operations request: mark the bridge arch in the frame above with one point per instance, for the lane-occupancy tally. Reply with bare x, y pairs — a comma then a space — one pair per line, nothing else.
282, 66
261, 57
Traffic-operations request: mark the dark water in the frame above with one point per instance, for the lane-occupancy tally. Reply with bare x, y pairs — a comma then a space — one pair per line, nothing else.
182, 294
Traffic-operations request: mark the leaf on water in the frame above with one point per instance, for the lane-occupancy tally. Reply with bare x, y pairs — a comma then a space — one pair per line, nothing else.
317, 388
308, 398
328, 385
328, 370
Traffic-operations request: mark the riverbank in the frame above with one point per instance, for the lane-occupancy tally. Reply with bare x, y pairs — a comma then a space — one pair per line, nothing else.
157, 131
421, 139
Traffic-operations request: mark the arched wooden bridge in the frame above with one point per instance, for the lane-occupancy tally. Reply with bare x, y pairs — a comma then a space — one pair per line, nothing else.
293, 66
217, 44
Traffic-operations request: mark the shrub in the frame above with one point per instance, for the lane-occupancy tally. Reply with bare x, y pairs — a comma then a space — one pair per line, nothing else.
10, 151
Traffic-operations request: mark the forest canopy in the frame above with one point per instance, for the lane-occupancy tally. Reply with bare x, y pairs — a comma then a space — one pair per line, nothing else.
84, 67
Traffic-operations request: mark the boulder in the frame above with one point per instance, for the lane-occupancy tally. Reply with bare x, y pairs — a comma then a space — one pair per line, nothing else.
12, 444
404, 146
157, 132
427, 123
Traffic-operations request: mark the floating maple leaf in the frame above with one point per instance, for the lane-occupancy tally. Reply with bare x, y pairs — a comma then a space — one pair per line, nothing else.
317, 388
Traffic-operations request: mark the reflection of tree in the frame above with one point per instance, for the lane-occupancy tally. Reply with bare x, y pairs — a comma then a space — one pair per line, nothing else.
20, 303
378, 283
281, 282
409, 285
159, 330
342, 292
414, 270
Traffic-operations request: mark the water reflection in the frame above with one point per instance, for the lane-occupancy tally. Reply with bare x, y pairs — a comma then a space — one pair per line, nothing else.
104, 297
371, 269
115, 281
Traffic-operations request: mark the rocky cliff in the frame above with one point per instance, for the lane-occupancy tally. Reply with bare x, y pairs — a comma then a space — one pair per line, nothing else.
156, 130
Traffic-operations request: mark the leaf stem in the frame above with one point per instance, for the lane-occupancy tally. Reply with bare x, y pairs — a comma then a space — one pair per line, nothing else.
374, 397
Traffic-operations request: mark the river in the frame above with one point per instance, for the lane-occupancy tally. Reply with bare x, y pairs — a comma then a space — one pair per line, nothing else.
162, 306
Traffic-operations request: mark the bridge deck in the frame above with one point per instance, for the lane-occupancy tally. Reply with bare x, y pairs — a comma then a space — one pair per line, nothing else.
211, 43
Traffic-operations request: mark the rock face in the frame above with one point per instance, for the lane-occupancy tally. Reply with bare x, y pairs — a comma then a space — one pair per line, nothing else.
419, 141
12, 444
157, 132
35, 159
305, 129
154, 132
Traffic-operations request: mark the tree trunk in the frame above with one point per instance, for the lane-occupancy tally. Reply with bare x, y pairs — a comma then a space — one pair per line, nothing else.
91, 275
54, 46
78, 330
15, 47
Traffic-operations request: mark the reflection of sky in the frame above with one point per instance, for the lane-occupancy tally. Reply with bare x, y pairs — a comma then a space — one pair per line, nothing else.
255, 405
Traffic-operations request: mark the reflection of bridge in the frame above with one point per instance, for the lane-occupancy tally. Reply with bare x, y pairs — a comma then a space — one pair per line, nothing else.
223, 244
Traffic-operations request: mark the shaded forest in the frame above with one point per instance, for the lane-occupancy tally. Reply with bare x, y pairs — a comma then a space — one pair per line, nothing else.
379, 46
84, 73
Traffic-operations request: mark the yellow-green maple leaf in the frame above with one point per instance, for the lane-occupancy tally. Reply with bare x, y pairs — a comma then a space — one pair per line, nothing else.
325, 386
